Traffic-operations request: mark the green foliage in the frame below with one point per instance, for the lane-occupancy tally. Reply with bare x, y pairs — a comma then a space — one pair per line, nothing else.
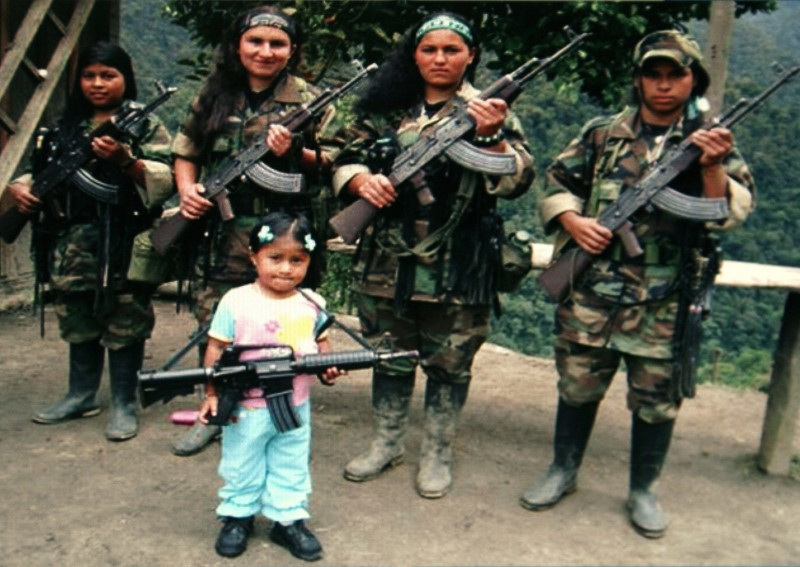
336, 285
513, 31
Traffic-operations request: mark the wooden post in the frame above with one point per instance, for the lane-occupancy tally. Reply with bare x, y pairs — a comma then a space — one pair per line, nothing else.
783, 404
720, 25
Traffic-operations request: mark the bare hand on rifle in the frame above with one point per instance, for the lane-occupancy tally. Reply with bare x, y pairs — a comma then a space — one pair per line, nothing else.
489, 115
26, 202
716, 144
587, 233
109, 149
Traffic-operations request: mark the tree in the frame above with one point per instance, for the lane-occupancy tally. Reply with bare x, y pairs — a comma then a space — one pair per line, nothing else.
336, 31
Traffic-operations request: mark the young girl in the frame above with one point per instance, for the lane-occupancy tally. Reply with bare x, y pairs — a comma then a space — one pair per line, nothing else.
266, 470
85, 255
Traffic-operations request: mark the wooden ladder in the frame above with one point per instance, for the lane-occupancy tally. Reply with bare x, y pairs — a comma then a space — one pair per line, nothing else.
20, 129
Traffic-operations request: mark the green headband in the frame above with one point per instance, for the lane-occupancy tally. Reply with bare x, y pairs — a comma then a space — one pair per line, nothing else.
444, 23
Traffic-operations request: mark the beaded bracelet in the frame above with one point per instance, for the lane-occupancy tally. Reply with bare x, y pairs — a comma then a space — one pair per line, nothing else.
488, 141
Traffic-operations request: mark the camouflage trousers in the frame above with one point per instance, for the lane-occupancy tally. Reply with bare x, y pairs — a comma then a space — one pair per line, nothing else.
585, 373
126, 319
447, 336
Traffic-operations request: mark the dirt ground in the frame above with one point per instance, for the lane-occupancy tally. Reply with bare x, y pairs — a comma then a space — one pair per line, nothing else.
72, 498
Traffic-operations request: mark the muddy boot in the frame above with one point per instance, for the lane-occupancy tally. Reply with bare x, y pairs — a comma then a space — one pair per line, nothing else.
649, 446
391, 397
573, 428
123, 364
443, 403
196, 439
85, 372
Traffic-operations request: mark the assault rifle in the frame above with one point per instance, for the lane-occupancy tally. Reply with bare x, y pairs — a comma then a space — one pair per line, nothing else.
273, 372
76, 153
653, 190
248, 163
448, 139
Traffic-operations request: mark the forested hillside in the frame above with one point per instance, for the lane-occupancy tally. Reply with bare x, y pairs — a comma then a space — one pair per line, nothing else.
742, 332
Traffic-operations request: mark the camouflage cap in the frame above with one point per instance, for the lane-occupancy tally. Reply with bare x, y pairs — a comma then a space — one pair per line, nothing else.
677, 47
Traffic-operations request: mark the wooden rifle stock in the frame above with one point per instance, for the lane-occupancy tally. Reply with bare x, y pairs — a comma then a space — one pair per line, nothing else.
354, 220
557, 279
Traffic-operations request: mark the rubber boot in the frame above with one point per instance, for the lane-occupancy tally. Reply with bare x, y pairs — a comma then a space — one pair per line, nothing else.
85, 372
573, 429
443, 404
391, 398
200, 435
649, 446
123, 364
196, 439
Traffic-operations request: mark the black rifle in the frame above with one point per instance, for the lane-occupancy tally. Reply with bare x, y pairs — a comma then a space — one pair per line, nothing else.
76, 153
653, 190
273, 372
248, 163
448, 139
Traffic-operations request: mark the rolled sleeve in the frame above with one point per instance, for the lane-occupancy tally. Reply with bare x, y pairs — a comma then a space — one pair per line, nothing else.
343, 175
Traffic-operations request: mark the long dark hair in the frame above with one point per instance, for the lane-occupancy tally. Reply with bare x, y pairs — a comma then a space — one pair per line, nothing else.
228, 80
105, 53
397, 84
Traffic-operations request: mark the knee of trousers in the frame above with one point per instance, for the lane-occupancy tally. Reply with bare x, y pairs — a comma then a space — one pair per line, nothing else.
655, 413
444, 376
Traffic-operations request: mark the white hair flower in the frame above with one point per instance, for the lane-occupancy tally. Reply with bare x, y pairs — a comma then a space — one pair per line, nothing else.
265, 235
309, 243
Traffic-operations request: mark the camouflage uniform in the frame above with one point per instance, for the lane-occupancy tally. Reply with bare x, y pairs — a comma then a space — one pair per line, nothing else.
86, 258
623, 305
439, 264
94, 300
226, 262
624, 308
427, 275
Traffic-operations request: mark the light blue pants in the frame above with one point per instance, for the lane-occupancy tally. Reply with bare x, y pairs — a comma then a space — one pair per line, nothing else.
264, 470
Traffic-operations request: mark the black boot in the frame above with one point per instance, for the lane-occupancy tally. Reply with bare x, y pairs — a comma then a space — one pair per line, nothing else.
85, 372
123, 364
391, 397
573, 429
232, 538
298, 539
649, 446
443, 404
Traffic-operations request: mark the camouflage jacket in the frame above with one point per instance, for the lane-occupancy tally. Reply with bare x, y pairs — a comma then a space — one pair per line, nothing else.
228, 255
431, 253
92, 246
630, 305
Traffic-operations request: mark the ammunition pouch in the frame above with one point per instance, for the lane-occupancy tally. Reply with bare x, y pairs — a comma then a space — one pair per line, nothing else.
148, 266
516, 261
